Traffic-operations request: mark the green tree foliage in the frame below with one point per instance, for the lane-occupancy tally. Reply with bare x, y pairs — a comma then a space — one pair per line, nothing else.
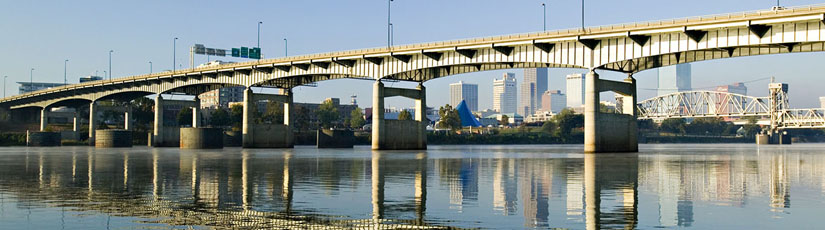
300, 118
357, 119
751, 128
274, 113
143, 112
549, 127
185, 117
567, 121
449, 118
673, 125
405, 115
706, 125
236, 115
327, 114
219, 118
505, 120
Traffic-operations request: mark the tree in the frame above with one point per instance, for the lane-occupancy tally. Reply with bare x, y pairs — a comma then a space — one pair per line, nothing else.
706, 125
142, 112
185, 117
673, 125
274, 113
236, 115
327, 114
405, 115
751, 128
548, 127
505, 120
449, 118
219, 117
567, 120
357, 119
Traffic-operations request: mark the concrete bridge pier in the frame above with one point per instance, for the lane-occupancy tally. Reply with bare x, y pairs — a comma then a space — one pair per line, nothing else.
266, 135
44, 118
157, 132
196, 113
398, 134
127, 121
610, 132
92, 122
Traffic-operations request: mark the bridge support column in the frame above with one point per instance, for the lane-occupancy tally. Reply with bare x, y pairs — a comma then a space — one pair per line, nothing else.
196, 113
398, 134
609, 132
76, 123
92, 122
157, 135
248, 118
44, 118
127, 119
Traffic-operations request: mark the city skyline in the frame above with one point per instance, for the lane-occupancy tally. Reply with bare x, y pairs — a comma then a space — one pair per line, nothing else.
72, 23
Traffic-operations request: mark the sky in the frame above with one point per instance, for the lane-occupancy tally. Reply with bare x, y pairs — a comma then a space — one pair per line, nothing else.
42, 34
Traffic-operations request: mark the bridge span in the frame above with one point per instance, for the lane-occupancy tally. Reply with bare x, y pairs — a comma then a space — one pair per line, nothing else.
627, 48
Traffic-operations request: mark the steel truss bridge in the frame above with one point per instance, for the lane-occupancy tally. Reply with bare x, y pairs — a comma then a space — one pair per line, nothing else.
695, 104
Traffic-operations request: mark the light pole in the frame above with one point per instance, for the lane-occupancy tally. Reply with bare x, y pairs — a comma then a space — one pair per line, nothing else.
4, 85
110, 64
150, 67
174, 53
389, 25
259, 34
583, 15
392, 34
544, 8
285, 48
64, 71
31, 80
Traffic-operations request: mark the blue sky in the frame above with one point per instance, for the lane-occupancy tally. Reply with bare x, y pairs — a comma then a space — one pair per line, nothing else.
41, 34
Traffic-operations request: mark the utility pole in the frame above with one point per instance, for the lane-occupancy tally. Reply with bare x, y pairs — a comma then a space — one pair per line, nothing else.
150, 67
64, 71
392, 34
31, 80
285, 48
4, 85
583, 15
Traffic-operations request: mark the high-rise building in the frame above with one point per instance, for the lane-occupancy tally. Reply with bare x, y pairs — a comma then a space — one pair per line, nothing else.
553, 101
822, 102
675, 78
221, 97
464, 92
736, 88
504, 94
575, 90
534, 84
26, 87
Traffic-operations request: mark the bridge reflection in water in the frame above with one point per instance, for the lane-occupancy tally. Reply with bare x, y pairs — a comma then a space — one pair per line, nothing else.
450, 188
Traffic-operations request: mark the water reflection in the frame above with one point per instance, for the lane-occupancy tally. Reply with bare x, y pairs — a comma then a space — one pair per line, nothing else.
440, 188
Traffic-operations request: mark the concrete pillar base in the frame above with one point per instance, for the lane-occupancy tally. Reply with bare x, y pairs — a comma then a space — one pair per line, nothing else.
762, 139
776, 139
42, 139
113, 138
232, 139
335, 138
201, 138
271, 136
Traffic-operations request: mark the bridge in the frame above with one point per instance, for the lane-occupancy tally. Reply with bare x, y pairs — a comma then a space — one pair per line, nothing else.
627, 48
695, 104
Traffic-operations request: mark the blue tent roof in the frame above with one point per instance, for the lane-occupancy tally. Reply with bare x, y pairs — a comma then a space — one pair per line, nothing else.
467, 118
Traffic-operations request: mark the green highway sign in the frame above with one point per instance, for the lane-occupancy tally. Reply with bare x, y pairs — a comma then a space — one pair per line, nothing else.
236, 52
246, 52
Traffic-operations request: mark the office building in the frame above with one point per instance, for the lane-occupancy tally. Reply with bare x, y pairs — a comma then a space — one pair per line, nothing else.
553, 101
675, 78
26, 87
221, 97
90, 78
464, 92
504, 94
534, 84
575, 90
735, 88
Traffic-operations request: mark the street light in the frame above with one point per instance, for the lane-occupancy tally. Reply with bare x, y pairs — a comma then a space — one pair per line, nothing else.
110, 64
174, 52
4, 85
392, 34
583, 15
31, 81
150, 67
259, 34
64, 71
544, 8
389, 25
285, 48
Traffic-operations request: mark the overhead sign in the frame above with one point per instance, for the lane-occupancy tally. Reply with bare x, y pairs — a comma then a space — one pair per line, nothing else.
246, 52
202, 50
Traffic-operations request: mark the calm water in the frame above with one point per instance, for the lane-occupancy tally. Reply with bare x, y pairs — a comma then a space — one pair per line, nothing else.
509, 187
